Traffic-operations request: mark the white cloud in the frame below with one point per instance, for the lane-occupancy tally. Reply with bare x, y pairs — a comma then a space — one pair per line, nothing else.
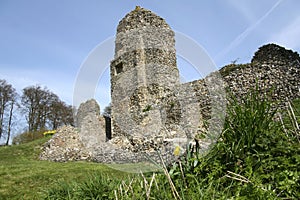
289, 36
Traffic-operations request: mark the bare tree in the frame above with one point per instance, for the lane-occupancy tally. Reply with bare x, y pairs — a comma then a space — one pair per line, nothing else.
36, 103
44, 109
10, 120
8, 97
60, 114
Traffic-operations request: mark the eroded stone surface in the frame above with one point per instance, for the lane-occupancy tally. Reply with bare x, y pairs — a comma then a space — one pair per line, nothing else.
64, 146
151, 111
273, 70
90, 124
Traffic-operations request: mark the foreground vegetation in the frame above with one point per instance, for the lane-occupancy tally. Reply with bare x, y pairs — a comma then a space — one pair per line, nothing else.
256, 157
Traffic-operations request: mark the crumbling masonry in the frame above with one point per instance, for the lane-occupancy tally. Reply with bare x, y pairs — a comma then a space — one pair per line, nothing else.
148, 101
152, 111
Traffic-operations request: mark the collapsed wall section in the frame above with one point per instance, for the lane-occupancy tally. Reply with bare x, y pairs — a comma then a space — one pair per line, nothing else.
274, 71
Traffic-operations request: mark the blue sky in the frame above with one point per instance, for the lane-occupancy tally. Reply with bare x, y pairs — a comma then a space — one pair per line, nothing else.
46, 42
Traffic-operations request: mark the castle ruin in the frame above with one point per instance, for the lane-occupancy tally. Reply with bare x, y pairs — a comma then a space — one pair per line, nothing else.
152, 111
148, 100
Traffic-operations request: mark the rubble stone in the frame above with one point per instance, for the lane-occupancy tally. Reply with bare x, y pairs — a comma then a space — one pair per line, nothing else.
64, 146
151, 111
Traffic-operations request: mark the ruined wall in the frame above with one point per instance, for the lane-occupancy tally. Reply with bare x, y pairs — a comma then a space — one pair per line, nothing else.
143, 73
90, 124
79, 143
65, 145
150, 106
273, 69
152, 111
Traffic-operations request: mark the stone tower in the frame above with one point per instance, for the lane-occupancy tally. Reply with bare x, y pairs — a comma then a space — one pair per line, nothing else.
143, 73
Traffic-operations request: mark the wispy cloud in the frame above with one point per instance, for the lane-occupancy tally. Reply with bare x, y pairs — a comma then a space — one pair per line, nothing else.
289, 35
245, 33
243, 8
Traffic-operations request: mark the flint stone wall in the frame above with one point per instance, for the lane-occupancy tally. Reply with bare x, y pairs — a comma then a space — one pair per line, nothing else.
90, 124
90, 107
152, 111
65, 145
78, 143
143, 73
273, 69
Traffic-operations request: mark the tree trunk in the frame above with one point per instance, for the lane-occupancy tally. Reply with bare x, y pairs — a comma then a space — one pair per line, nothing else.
1, 120
9, 121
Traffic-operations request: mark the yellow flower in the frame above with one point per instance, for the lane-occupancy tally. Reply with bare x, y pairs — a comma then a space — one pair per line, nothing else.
177, 151
49, 132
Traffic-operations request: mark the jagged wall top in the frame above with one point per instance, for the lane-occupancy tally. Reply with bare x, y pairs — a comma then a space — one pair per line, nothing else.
271, 53
141, 17
141, 28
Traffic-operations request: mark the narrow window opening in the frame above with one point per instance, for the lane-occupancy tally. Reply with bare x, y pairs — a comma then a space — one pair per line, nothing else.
119, 68
107, 127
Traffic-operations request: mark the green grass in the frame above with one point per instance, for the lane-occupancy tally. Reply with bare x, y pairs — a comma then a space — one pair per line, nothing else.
254, 158
228, 69
23, 176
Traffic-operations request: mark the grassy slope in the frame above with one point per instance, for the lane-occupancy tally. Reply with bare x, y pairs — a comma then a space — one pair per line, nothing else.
23, 176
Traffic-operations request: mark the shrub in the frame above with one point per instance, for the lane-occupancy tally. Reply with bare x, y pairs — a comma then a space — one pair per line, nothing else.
28, 137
